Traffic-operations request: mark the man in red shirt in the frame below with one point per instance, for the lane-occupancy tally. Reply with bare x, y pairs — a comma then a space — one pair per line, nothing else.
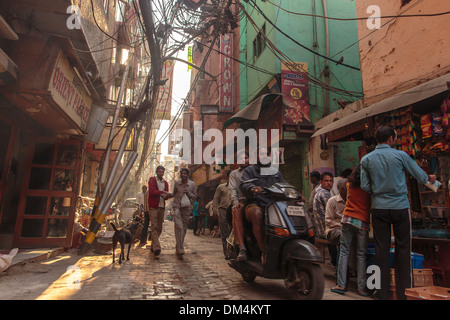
158, 192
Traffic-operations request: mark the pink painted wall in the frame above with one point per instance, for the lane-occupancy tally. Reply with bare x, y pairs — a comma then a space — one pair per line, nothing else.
406, 51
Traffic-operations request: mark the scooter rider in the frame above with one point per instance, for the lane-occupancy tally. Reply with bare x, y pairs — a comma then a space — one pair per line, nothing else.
255, 200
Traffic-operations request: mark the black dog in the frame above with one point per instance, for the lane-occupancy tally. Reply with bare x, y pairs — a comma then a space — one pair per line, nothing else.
123, 236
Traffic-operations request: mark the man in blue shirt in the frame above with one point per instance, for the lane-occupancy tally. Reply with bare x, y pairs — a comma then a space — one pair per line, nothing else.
383, 175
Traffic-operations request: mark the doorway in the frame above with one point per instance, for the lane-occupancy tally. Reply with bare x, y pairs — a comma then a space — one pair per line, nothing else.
48, 198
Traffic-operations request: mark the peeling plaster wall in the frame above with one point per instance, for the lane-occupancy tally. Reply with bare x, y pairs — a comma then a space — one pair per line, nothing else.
404, 52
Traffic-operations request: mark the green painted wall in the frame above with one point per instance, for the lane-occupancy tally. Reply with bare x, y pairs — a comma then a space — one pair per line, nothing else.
306, 30
310, 32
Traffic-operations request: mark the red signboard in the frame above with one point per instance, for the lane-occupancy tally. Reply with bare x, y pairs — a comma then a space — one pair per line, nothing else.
294, 86
226, 69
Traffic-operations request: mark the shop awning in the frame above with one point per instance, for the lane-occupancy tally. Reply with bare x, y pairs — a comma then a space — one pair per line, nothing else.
251, 111
8, 69
403, 99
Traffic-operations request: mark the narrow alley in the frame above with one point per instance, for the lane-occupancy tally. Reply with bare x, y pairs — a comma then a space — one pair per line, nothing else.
203, 275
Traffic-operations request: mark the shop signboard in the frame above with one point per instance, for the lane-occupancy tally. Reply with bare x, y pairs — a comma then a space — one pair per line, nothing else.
69, 92
226, 69
294, 86
349, 129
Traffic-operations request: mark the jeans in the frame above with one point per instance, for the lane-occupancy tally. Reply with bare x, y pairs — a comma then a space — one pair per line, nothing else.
362, 237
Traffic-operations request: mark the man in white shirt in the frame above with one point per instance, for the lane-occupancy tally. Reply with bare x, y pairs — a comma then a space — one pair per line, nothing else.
140, 199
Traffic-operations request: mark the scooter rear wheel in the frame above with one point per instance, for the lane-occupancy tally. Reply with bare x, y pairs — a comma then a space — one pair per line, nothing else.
306, 279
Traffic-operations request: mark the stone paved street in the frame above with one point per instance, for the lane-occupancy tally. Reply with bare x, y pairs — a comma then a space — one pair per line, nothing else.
203, 275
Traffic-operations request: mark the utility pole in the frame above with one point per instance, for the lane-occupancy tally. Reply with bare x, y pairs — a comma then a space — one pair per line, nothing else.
108, 195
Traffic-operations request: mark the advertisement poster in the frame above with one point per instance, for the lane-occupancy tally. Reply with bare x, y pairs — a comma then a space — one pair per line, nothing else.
294, 86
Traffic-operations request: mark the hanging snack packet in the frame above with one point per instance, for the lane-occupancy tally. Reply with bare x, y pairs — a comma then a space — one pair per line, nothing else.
425, 123
436, 125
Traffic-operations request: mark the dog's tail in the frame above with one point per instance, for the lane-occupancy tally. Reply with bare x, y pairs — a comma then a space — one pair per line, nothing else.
114, 227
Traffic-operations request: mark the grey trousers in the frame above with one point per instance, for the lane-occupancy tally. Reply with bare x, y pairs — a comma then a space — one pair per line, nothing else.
181, 220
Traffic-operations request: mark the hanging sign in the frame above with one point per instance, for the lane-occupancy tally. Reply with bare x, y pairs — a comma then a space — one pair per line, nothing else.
190, 60
294, 86
226, 69
68, 91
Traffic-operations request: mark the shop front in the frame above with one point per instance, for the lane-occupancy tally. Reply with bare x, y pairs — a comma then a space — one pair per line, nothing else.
46, 113
421, 119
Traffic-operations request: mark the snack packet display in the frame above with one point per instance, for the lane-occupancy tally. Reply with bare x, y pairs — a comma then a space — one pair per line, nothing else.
425, 124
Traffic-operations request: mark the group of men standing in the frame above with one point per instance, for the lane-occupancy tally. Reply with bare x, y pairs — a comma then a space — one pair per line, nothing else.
382, 176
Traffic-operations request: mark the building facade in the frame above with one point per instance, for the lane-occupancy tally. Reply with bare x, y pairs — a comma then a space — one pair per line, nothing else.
55, 101
293, 48
406, 84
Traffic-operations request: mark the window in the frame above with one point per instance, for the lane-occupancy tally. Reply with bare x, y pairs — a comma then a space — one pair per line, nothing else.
259, 43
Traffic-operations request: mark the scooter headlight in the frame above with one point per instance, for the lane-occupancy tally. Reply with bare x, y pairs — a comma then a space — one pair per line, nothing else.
291, 193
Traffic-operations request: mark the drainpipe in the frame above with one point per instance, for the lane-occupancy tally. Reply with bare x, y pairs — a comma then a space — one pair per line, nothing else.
113, 124
99, 215
326, 71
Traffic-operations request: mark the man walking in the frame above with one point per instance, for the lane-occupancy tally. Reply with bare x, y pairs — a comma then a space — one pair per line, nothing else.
158, 192
140, 199
383, 176
221, 202
184, 190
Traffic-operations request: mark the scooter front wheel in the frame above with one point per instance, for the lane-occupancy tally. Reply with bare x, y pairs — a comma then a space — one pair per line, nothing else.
306, 279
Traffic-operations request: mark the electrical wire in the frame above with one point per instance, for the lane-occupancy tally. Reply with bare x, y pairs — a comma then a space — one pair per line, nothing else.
295, 41
362, 18
283, 57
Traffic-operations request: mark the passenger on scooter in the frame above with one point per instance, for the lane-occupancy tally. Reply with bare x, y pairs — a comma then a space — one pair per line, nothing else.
238, 201
265, 176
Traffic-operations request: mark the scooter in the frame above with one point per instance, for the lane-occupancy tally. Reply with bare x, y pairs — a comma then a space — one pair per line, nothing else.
290, 253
